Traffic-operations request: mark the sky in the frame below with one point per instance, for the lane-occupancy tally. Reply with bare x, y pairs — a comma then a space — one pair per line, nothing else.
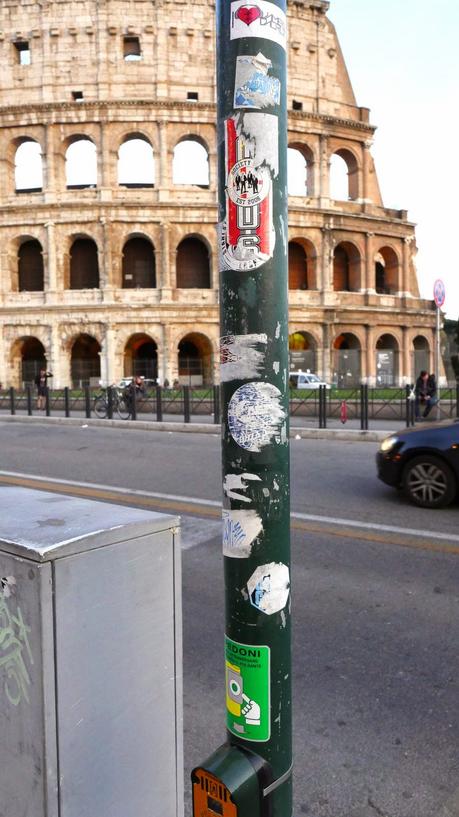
403, 60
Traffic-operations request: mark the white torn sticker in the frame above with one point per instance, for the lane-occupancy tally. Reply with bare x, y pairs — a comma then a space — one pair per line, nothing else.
240, 529
256, 417
253, 87
233, 484
260, 19
240, 359
259, 131
269, 587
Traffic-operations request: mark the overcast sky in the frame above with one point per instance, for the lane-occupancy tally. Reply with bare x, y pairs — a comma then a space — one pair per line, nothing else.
403, 61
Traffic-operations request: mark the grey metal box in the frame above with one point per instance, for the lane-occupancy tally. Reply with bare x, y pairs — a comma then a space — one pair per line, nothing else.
90, 659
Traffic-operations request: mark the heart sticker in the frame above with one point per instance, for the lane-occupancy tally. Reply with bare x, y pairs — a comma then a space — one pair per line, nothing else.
248, 14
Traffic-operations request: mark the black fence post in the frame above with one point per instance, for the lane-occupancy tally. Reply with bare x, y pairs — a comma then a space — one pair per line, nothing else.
159, 404
12, 401
133, 405
364, 407
29, 401
66, 402
322, 407
186, 404
109, 403
216, 404
87, 401
457, 399
47, 403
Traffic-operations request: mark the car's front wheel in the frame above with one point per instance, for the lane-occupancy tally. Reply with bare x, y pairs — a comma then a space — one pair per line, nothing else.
429, 482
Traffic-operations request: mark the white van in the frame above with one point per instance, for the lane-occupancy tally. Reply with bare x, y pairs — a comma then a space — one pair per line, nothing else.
306, 380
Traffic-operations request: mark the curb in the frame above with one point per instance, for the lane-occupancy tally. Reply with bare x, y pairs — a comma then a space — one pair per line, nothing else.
343, 435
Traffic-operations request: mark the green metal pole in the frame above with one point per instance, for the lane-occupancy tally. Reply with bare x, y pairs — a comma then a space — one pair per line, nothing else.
252, 153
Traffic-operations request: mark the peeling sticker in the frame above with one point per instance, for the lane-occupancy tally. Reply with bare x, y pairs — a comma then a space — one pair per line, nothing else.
276, 366
269, 587
247, 235
256, 417
240, 529
261, 19
239, 357
234, 483
253, 87
278, 328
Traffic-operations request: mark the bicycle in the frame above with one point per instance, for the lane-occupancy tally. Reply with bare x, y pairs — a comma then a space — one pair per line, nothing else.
119, 404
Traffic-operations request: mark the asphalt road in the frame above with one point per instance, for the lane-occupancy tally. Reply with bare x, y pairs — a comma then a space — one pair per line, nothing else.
376, 612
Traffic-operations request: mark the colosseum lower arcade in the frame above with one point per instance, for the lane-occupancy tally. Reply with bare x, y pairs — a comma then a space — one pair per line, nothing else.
109, 260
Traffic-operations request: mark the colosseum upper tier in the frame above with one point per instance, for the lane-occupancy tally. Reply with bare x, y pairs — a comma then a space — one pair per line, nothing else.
109, 262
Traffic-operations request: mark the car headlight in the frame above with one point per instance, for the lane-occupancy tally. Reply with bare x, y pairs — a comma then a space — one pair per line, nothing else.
388, 444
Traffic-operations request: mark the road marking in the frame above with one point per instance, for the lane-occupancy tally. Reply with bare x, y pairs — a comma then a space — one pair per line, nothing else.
311, 523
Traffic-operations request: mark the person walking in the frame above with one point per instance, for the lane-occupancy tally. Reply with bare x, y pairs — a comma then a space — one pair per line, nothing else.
431, 396
41, 382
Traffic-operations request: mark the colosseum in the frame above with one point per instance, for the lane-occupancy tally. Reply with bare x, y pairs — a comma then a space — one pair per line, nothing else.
109, 262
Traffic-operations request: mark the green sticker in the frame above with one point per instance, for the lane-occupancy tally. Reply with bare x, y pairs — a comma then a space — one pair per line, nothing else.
248, 709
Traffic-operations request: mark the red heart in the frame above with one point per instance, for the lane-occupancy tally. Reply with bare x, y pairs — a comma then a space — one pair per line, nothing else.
248, 14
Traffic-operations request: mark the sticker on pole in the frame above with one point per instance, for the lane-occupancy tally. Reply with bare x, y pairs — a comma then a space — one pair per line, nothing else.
439, 293
261, 19
248, 705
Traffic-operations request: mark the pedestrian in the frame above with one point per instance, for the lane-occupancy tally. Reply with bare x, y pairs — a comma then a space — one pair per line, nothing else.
41, 382
133, 391
431, 396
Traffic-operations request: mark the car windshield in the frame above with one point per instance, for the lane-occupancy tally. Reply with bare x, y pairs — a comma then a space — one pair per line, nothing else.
313, 378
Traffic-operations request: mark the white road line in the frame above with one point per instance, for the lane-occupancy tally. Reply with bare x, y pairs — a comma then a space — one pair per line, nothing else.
328, 520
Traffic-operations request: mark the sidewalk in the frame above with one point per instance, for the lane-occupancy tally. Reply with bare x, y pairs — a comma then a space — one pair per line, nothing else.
300, 427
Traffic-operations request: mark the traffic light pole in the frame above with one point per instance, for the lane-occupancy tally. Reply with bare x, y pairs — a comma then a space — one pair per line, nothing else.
253, 241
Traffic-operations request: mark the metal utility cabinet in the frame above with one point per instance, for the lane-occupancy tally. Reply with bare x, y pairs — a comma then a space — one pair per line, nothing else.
90, 659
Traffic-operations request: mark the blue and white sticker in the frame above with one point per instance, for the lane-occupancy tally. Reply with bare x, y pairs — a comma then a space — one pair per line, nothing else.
253, 87
260, 19
256, 417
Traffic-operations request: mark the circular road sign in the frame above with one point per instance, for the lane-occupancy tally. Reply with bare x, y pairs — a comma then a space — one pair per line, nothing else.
439, 292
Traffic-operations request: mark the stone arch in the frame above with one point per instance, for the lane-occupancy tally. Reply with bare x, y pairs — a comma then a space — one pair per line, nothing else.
300, 169
83, 264
302, 264
141, 356
344, 175
387, 271
420, 355
138, 263
347, 267
28, 356
387, 360
136, 161
195, 359
84, 360
302, 348
80, 162
28, 166
190, 162
347, 354
193, 263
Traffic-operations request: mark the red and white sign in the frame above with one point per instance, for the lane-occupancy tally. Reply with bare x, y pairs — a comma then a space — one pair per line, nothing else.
439, 293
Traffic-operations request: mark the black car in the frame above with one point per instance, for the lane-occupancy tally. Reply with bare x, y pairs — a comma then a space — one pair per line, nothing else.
424, 462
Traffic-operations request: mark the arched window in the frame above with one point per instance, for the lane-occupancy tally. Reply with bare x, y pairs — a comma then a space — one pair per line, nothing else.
195, 360
30, 267
84, 264
138, 264
193, 265
346, 362
420, 356
85, 360
28, 167
387, 361
141, 357
297, 266
346, 268
33, 358
136, 164
81, 164
343, 176
297, 173
190, 164
302, 352
386, 271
